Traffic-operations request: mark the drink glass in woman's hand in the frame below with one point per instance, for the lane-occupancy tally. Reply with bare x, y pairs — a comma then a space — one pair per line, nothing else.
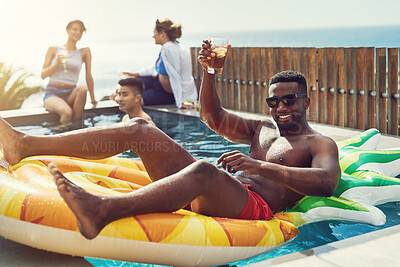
63, 55
220, 47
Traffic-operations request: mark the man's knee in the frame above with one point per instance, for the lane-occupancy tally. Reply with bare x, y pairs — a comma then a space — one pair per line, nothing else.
206, 171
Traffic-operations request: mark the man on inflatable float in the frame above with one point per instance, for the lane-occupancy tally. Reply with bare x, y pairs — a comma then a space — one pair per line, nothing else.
284, 163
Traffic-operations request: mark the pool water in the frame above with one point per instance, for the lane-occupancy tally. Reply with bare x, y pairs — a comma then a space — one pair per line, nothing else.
321, 233
203, 143
190, 132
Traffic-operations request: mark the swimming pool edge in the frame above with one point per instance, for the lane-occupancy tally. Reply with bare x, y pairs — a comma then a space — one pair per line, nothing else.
351, 251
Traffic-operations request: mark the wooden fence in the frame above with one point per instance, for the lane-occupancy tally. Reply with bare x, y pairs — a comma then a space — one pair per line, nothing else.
349, 87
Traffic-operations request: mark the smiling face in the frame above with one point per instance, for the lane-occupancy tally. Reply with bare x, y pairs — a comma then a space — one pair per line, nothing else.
289, 117
127, 99
75, 32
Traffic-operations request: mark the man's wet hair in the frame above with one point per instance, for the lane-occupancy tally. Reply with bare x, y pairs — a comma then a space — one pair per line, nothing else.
290, 76
135, 84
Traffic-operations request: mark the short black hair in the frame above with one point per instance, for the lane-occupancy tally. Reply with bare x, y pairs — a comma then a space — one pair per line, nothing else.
134, 83
290, 76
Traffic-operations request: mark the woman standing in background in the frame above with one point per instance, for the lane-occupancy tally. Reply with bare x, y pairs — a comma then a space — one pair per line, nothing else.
170, 81
63, 65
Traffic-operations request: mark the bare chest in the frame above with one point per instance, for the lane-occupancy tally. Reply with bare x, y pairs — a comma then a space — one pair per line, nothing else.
281, 150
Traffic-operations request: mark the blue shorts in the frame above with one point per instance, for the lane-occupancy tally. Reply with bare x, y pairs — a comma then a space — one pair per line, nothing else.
154, 93
63, 93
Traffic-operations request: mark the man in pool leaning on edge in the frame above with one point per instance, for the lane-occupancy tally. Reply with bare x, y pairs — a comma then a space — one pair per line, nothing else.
129, 98
283, 165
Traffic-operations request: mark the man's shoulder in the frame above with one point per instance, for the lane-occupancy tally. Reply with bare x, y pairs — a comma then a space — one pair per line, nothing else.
266, 128
319, 136
320, 141
125, 118
266, 122
148, 118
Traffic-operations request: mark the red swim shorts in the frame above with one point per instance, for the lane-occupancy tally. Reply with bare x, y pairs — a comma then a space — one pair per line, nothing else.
256, 208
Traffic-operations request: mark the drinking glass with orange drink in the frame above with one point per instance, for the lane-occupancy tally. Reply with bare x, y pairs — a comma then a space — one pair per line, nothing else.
220, 46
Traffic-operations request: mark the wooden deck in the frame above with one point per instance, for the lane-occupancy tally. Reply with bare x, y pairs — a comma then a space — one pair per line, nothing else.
354, 87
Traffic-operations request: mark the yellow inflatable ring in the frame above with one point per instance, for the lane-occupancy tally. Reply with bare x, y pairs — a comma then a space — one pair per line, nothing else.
33, 213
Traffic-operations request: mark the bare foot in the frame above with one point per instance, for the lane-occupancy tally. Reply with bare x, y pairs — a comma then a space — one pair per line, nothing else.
10, 143
85, 206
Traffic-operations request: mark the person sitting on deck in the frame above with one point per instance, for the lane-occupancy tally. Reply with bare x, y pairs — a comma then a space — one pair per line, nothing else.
62, 65
286, 161
129, 99
170, 80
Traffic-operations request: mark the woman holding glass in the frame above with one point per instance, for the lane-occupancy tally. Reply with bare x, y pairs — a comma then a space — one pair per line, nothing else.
170, 81
63, 65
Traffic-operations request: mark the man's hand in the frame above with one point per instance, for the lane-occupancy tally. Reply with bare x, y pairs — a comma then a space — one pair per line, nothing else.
205, 54
237, 161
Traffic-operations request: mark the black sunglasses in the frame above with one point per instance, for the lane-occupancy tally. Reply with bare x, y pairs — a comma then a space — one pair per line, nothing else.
287, 100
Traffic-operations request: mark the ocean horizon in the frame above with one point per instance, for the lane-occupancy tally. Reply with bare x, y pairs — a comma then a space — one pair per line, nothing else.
110, 57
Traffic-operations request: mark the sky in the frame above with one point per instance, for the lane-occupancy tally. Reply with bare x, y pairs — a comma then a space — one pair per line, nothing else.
29, 27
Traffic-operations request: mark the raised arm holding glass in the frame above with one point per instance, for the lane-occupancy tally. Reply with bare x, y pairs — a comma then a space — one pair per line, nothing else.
63, 65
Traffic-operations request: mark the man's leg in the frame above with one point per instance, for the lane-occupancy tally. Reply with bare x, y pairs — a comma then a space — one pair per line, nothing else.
161, 155
211, 191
